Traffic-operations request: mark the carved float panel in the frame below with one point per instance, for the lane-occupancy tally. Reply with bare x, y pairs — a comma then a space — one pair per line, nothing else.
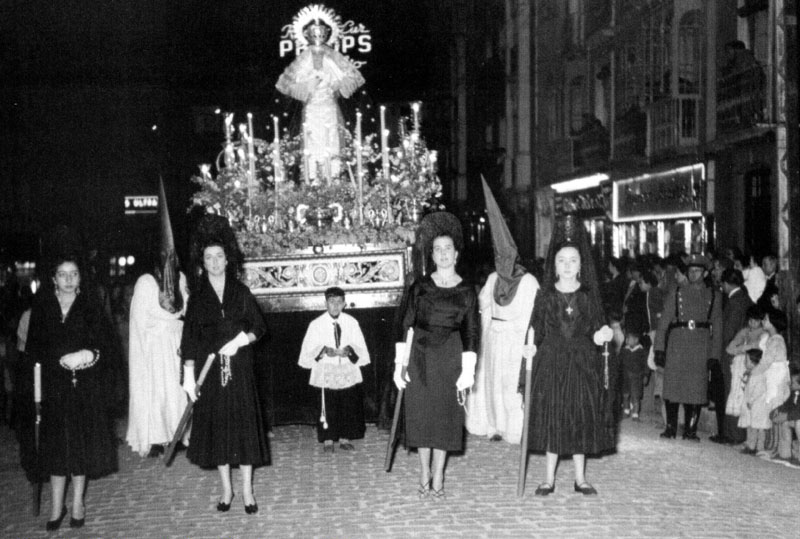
370, 278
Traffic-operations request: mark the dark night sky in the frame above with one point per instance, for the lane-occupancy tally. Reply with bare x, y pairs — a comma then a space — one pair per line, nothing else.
87, 80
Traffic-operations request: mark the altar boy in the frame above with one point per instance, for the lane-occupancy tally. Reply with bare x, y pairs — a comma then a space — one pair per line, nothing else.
334, 350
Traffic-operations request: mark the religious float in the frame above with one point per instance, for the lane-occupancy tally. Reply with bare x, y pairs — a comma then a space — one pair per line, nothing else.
325, 206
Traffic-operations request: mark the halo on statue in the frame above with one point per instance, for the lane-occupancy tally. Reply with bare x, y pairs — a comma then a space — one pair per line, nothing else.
316, 12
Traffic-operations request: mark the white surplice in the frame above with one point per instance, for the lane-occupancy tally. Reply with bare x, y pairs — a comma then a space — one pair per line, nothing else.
494, 405
333, 372
157, 399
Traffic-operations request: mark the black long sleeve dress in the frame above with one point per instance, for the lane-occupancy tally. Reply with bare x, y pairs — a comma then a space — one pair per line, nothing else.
76, 434
226, 422
446, 323
570, 408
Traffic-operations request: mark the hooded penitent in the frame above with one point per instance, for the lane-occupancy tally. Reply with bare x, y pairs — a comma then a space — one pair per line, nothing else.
506, 257
169, 294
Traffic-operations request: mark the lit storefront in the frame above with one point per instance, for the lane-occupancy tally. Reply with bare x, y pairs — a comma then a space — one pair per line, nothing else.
661, 213
589, 199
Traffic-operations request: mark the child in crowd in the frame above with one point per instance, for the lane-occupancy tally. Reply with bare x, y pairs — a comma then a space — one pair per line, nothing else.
753, 404
787, 419
334, 349
633, 358
750, 336
776, 370
615, 322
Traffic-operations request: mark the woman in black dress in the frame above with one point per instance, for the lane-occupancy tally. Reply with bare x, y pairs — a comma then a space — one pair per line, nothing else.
570, 409
71, 337
443, 313
223, 318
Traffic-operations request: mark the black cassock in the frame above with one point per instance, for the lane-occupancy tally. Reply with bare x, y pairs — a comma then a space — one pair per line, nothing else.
226, 423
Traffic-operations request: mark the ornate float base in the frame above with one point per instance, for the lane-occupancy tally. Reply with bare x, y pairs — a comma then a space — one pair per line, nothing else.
371, 276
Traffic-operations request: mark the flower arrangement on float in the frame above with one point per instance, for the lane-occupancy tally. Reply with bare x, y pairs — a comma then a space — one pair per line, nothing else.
277, 201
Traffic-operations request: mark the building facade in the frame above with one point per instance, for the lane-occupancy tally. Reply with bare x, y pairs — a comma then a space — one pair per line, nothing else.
668, 126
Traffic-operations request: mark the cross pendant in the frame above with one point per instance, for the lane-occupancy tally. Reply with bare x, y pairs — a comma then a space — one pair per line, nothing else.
569, 310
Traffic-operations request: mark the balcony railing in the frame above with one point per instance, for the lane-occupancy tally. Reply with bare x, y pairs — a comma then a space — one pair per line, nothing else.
673, 124
741, 99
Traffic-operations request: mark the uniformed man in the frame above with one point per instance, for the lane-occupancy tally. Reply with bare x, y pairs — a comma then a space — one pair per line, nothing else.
689, 336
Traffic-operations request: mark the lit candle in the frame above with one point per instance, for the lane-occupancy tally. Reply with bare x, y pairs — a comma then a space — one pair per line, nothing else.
251, 155
384, 144
37, 382
328, 168
306, 160
385, 161
415, 108
277, 165
359, 167
228, 123
306, 166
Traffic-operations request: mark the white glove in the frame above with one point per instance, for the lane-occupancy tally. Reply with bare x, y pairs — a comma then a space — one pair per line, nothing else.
528, 351
232, 346
399, 352
399, 380
467, 377
189, 383
603, 335
76, 360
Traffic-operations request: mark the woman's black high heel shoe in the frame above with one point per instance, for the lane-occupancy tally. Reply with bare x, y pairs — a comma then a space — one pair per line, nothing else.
77, 522
223, 507
53, 525
251, 509
585, 488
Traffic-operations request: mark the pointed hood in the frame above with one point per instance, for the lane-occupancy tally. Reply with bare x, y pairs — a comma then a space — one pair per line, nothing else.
169, 294
506, 257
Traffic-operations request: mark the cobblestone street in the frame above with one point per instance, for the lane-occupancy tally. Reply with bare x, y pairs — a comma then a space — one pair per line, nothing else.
649, 488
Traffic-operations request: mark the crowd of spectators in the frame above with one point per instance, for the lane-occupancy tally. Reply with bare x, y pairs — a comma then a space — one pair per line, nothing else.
753, 388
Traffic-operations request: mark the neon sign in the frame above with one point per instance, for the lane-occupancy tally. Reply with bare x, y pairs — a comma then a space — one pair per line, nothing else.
355, 38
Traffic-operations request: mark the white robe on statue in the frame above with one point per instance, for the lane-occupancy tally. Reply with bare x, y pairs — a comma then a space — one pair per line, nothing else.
157, 400
494, 405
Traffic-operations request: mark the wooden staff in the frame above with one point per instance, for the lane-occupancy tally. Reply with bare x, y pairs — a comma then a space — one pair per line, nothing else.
387, 463
523, 450
37, 401
187, 414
